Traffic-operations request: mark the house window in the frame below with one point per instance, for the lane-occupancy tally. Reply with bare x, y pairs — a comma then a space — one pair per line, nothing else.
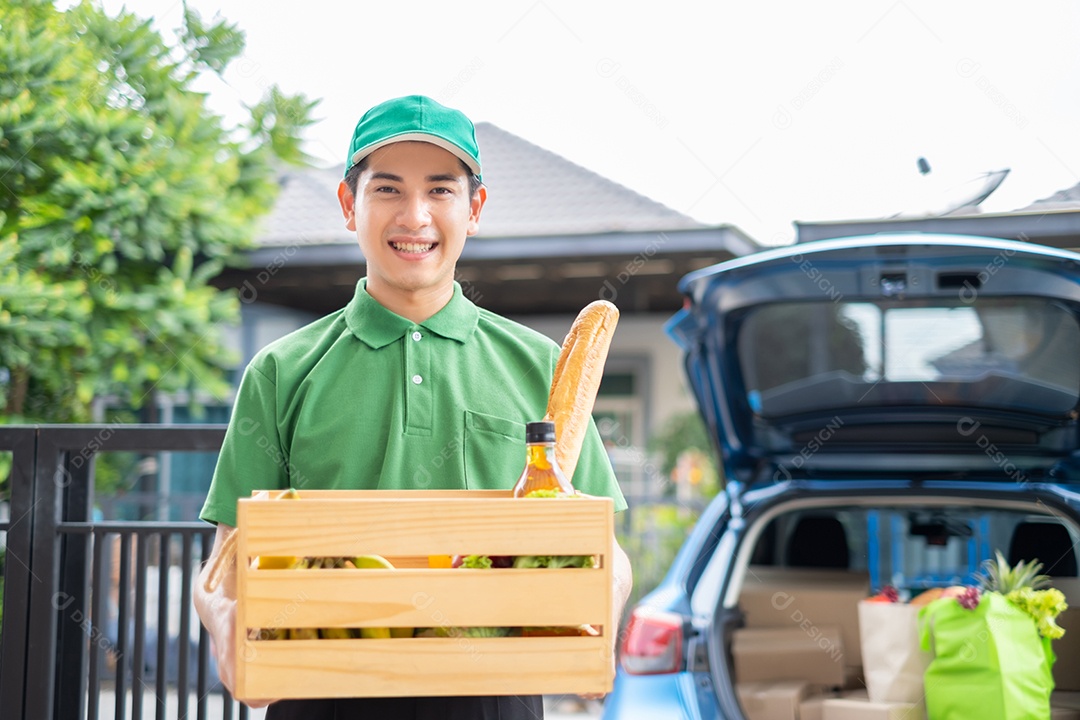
620, 416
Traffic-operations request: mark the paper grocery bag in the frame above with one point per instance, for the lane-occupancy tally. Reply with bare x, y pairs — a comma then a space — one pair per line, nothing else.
893, 662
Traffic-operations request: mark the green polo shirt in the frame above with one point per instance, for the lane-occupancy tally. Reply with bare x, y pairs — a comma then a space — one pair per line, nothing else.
366, 399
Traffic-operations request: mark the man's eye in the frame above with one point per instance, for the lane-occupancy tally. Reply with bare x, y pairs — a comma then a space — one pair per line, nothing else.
385, 189
442, 191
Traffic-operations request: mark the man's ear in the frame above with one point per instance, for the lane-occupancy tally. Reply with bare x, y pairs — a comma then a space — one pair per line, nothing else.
475, 206
348, 208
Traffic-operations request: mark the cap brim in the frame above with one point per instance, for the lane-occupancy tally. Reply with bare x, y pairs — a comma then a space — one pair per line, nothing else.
418, 137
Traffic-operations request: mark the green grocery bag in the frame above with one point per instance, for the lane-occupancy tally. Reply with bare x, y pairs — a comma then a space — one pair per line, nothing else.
990, 663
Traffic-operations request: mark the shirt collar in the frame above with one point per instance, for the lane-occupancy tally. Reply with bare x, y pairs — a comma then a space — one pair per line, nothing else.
378, 327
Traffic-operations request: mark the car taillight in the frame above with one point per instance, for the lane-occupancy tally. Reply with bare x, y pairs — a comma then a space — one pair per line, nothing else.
653, 643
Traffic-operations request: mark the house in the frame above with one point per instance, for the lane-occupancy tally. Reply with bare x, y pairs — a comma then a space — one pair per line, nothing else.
1053, 221
554, 237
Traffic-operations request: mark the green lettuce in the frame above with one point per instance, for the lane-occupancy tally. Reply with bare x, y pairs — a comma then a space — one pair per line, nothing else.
1042, 605
554, 561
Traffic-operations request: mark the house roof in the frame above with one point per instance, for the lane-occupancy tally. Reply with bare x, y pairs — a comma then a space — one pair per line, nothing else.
1067, 199
1053, 221
532, 192
554, 236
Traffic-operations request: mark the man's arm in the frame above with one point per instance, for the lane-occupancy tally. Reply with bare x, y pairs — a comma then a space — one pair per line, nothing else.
217, 610
622, 580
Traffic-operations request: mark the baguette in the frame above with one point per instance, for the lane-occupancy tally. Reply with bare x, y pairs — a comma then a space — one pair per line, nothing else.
577, 379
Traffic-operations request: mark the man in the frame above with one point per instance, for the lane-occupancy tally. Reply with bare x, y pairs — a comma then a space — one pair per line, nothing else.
409, 386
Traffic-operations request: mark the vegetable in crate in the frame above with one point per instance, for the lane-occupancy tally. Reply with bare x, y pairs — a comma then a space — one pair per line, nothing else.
483, 562
554, 561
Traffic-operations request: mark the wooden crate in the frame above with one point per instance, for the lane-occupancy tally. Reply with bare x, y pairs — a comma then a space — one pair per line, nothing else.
406, 527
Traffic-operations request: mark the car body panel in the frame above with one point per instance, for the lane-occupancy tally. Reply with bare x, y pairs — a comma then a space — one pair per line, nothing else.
656, 696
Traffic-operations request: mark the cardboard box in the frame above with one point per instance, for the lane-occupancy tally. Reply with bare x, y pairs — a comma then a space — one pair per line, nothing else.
812, 708
772, 700
1065, 699
805, 597
769, 654
1067, 649
406, 527
859, 709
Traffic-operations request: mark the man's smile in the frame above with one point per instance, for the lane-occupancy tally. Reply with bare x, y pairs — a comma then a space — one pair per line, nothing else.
413, 247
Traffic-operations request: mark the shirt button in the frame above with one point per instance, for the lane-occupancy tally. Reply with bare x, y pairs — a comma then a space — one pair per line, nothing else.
416, 336
417, 379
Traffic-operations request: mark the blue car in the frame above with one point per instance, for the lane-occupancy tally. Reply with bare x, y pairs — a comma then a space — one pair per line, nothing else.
890, 412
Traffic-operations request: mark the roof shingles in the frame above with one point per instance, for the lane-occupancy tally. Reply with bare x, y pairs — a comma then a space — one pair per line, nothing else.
1067, 199
532, 193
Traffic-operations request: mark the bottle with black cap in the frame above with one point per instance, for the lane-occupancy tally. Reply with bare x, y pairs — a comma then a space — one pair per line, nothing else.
542, 471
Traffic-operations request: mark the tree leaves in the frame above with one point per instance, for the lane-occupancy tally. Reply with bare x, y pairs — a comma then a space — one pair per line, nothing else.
121, 197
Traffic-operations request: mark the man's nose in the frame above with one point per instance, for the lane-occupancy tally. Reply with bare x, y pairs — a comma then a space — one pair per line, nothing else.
415, 212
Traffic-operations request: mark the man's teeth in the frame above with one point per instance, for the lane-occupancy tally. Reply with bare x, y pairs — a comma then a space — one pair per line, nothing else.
412, 247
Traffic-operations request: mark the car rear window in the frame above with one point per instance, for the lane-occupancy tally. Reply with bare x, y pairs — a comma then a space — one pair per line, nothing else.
1009, 353
916, 547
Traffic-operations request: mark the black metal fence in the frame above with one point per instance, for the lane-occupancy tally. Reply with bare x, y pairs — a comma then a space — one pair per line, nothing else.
97, 617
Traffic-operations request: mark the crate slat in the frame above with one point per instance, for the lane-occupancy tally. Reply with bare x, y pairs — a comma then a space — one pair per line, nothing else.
423, 526
428, 667
385, 598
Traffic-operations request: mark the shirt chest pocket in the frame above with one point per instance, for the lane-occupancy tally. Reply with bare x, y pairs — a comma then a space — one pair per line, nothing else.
494, 451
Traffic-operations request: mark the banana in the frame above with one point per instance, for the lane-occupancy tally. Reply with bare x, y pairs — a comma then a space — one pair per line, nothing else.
371, 562
267, 634
336, 634
280, 563
376, 562
376, 633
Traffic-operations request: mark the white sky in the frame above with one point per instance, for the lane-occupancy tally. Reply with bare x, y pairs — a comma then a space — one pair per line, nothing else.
755, 114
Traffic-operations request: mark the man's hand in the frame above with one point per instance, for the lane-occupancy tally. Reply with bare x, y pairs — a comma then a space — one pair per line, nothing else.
622, 579
217, 610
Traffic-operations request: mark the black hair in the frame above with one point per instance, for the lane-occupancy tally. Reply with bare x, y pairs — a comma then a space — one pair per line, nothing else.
352, 178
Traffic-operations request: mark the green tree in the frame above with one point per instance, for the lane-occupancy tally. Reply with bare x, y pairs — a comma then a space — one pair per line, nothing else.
121, 196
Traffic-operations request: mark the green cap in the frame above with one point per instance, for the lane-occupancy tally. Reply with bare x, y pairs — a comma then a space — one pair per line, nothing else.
415, 117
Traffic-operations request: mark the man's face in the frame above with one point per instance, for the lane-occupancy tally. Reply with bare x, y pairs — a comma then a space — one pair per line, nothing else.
411, 214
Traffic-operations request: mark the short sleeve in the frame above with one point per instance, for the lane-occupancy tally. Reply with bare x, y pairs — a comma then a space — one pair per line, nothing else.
594, 474
252, 457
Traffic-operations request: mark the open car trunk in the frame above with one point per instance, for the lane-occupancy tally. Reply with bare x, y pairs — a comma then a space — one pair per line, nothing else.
792, 641
889, 355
